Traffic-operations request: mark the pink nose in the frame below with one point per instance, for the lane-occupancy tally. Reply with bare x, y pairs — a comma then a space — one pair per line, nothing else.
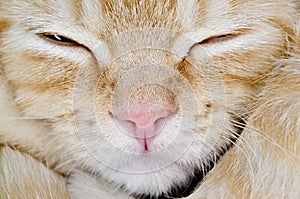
144, 122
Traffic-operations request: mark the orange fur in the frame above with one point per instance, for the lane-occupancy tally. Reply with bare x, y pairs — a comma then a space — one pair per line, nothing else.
216, 61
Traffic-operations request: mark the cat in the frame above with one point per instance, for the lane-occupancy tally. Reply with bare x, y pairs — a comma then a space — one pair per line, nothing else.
150, 99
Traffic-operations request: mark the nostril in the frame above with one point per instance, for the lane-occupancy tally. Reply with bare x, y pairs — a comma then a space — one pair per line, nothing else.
143, 123
159, 123
167, 115
127, 126
128, 123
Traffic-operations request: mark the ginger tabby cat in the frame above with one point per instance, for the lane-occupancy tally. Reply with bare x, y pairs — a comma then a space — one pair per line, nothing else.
149, 99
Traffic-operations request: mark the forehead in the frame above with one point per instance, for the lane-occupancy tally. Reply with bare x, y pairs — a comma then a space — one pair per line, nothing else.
121, 15
107, 17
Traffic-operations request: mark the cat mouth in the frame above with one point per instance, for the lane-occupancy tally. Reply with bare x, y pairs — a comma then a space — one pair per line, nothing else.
198, 174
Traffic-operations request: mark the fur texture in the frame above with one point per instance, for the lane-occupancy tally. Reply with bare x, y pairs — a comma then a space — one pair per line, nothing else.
67, 67
24, 177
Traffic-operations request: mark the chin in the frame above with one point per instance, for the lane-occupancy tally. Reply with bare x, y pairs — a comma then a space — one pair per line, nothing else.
173, 163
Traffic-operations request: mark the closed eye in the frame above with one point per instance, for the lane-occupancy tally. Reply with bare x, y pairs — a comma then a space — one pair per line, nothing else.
218, 38
59, 39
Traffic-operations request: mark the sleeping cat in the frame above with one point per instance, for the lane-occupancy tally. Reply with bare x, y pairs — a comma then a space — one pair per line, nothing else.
150, 99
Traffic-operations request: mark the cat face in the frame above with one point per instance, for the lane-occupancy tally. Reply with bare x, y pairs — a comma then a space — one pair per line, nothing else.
144, 93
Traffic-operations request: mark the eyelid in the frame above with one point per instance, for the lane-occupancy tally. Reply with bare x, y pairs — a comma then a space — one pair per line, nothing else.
225, 36
58, 39
218, 38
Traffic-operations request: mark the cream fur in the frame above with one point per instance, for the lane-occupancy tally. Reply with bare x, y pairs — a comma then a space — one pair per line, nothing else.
55, 98
23, 177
